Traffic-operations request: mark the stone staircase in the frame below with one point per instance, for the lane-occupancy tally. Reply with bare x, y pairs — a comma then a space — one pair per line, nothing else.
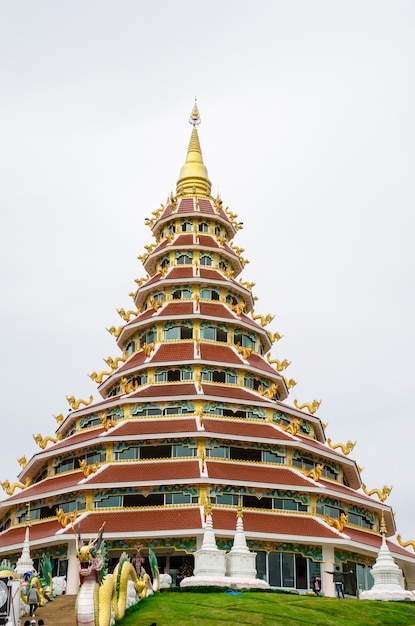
60, 612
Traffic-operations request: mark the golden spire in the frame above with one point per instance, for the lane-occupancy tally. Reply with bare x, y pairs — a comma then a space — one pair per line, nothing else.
193, 179
383, 530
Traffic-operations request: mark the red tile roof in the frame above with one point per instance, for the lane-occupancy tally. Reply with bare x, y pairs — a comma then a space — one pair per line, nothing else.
15, 536
144, 521
78, 438
184, 240
205, 206
218, 353
172, 389
156, 426
212, 275
181, 272
210, 309
137, 359
207, 241
234, 393
178, 308
159, 471
174, 352
186, 205
250, 473
58, 482
273, 523
256, 361
244, 428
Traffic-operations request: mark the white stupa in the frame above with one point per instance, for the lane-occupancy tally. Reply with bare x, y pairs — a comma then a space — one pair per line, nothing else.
387, 576
211, 563
24, 564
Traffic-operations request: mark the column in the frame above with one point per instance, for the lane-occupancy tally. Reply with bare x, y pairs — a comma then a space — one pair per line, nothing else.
72, 578
328, 565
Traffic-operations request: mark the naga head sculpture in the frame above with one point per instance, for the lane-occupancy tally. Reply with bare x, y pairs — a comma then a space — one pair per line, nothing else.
89, 555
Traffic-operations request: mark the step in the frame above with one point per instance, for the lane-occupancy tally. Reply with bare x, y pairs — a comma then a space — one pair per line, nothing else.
60, 611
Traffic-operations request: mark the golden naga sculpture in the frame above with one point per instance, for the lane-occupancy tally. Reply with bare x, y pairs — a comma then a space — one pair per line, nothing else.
115, 331
244, 352
346, 449
221, 240
239, 307
66, 518
232, 216
59, 418
315, 474
269, 392
262, 320
88, 469
97, 378
290, 383
337, 523
126, 387
22, 461
244, 283
155, 304
106, 421
149, 222
127, 315
132, 294
148, 348
237, 249
150, 247
280, 365
75, 404
113, 363
43, 441
142, 257
230, 273
311, 408
273, 337
405, 544
292, 428
141, 281
382, 495
10, 489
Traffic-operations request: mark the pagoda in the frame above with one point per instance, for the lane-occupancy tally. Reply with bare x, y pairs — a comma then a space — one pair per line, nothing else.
195, 410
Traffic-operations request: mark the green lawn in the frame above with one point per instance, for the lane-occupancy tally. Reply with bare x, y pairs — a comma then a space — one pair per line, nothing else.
265, 609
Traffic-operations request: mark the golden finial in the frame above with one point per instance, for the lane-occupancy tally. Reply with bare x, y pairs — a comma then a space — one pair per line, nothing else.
193, 179
194, 118
383, 530
239, 511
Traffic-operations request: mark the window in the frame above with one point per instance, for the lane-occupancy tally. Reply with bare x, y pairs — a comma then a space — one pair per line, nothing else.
243, 339
205, 260
209, 294
155, 452
218, 231
223, 265
230, 299
218, 452
127, 454
177, 498
203, 227
288, 504
183, 451
213, 333
272, 457
184, 259
171, 229
129, 348
254, 502
187, 227
182, 294
245, 454
147, 337
178, 332
108, 501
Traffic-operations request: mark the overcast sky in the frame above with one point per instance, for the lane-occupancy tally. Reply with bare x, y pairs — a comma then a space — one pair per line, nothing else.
308, 134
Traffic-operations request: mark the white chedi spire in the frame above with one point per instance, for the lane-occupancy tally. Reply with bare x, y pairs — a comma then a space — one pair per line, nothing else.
209, 539
387, 576
25, 562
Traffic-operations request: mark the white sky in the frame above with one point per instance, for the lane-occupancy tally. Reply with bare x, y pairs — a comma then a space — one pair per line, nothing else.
308, 133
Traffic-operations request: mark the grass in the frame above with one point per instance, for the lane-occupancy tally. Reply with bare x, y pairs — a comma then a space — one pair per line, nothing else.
265, 609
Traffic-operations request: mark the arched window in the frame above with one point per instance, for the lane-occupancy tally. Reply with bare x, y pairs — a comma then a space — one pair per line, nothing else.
184, 259
147, 336
205, 260
171, 229
203, 227
223, 265
230, 299
243, 339
213, 333
187, 227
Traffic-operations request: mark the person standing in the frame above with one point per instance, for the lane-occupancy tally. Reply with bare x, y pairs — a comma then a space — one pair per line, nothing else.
338, 579
33, 599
